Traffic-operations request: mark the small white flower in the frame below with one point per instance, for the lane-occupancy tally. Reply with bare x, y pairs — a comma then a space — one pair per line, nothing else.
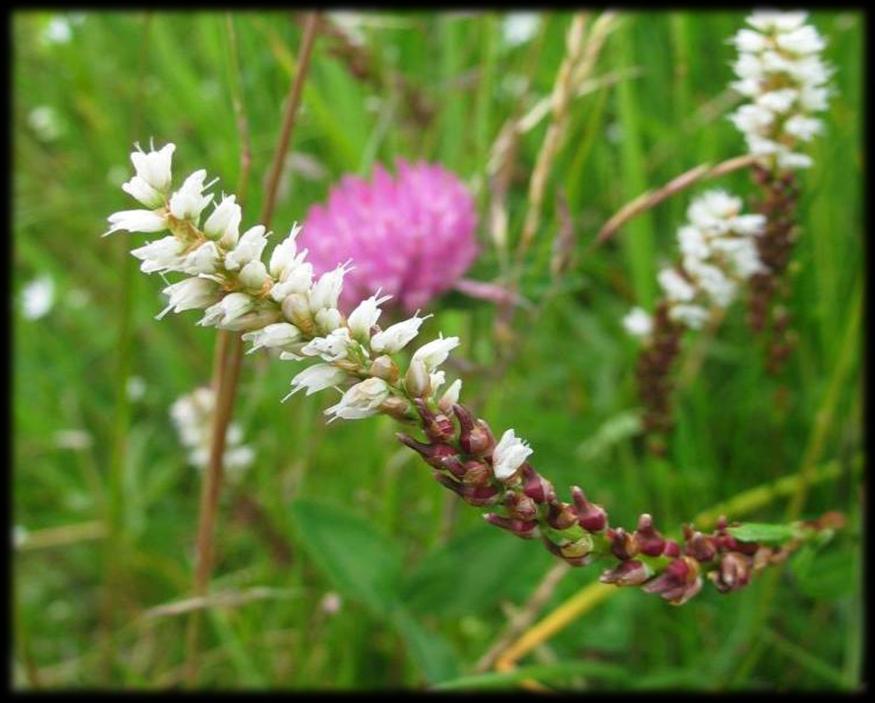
779, 101
360, 401
803, 127
789, 159
163, 254
752, 118
135, 388
137, 221
395, 338
451, 395
638, 322
227, 310
249, 247
154, 167
748, 40
328, 320
188, 202
519, 27
253, 276
692, 316
748, 224
693, 242
38, 297
204, 259
509, 454
142, 191
45, 122
279, 334
57, 31
316, 378
332, 347
365, 316
675, 286
434, 353
284, 254
327, 289
190, 294
713, 210
223, 224
804, 40
771, 21
296, 278
712, 281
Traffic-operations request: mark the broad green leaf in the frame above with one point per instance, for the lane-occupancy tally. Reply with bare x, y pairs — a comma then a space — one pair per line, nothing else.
360, 562
763, 532
432, 653
466, 575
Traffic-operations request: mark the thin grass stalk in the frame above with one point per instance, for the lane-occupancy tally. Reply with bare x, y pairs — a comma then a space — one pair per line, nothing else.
652, 198
228, 357
595, 593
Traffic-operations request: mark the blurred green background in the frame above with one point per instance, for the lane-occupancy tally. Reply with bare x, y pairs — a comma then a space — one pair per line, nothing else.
355, 569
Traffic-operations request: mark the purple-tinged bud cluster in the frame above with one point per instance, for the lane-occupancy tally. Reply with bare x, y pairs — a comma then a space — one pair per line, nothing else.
411, 235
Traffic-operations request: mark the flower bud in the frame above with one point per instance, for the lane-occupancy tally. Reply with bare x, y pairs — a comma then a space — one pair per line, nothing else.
296, 309
476, 473
701, 547
521, 528
520, 506
577, 552
590, 517
536, 486
396, 407
678, 583
671, 549
475, 437
623, 545
434, 454
438, 427
561, 516
480, 495
649, 540
383, 367
417, 379
733, 573
628, 573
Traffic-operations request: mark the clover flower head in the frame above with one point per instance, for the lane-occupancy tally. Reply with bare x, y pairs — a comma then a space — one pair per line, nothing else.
411, 235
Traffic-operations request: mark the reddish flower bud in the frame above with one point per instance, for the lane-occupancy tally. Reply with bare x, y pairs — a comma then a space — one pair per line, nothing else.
590, 517
649, 540
701, 547
733, 573
520, 506
480, 495
627, 573
475, 436
623, 545
521, 528
438, 427
476, 473
436, 454
561, 516
536, 486
671, 548
678, 583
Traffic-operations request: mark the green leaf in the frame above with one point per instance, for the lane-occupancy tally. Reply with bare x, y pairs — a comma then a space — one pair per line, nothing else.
432, 653
824, 574
466, 575
763, 532
361, 563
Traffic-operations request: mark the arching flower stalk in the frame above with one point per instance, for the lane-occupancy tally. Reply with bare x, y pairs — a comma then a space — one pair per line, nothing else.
280, 306
780, 71
719, 253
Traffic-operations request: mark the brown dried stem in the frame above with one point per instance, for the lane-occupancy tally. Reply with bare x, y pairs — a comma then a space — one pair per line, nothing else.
229, 350
652, 198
